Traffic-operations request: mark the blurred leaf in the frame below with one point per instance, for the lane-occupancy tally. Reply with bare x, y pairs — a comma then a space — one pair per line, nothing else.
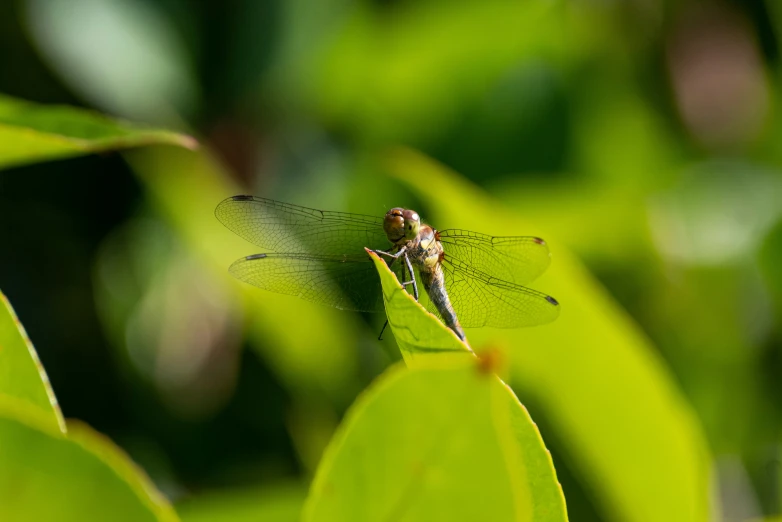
718, 212
612, 112
770, 259
613, 183
30, 133
616, 410
379, 74
122, 55
21, 374
417, 332
185, 188
45, 475
280, 503
609, 208
173, 319
437, 442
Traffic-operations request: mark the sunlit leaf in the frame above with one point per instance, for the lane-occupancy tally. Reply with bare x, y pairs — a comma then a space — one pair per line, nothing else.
46, 475
615, 408
279, 503
418, 333
443, 441
21, 374
30, 133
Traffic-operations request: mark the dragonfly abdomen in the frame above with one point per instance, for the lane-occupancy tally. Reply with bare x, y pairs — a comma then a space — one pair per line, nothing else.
434, 283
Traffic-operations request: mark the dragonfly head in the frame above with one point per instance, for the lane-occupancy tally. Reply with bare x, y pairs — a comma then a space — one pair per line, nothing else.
401, 224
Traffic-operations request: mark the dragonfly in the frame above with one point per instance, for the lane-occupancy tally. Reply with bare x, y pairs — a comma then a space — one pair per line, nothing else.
469, 279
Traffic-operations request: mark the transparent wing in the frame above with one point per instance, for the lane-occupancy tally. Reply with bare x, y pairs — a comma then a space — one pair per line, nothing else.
347, 282
282, 227
517, 259
482, 300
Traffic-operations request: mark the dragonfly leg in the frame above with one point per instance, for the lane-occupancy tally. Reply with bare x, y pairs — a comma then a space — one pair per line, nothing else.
402, 253
405, 282
389, 254
394, 257
380, 337
412, 277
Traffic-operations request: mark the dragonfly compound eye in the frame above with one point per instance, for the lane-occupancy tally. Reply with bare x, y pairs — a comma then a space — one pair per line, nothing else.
394, 225
412, 223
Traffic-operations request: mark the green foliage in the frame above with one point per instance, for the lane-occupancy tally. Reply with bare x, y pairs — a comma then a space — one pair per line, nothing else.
410, 448
48, 472
281, 503
656, 390
397, 66
443, 440
446, 440
21, 375
31, 133
616, 409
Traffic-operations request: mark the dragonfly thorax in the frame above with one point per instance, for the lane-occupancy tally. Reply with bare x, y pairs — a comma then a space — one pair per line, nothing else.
425, 250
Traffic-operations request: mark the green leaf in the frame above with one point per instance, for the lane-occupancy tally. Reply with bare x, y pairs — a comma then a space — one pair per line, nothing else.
617, 412
418, 333
21, 374
279, 503
46, 475
141, 68
30, 133
444, 441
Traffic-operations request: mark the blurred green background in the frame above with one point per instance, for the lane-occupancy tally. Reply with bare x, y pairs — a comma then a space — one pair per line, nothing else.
641, 135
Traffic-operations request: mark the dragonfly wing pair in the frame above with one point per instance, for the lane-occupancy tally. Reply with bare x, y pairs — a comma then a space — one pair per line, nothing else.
484, 274
312, 254
347, 282
282, 227
319, 256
